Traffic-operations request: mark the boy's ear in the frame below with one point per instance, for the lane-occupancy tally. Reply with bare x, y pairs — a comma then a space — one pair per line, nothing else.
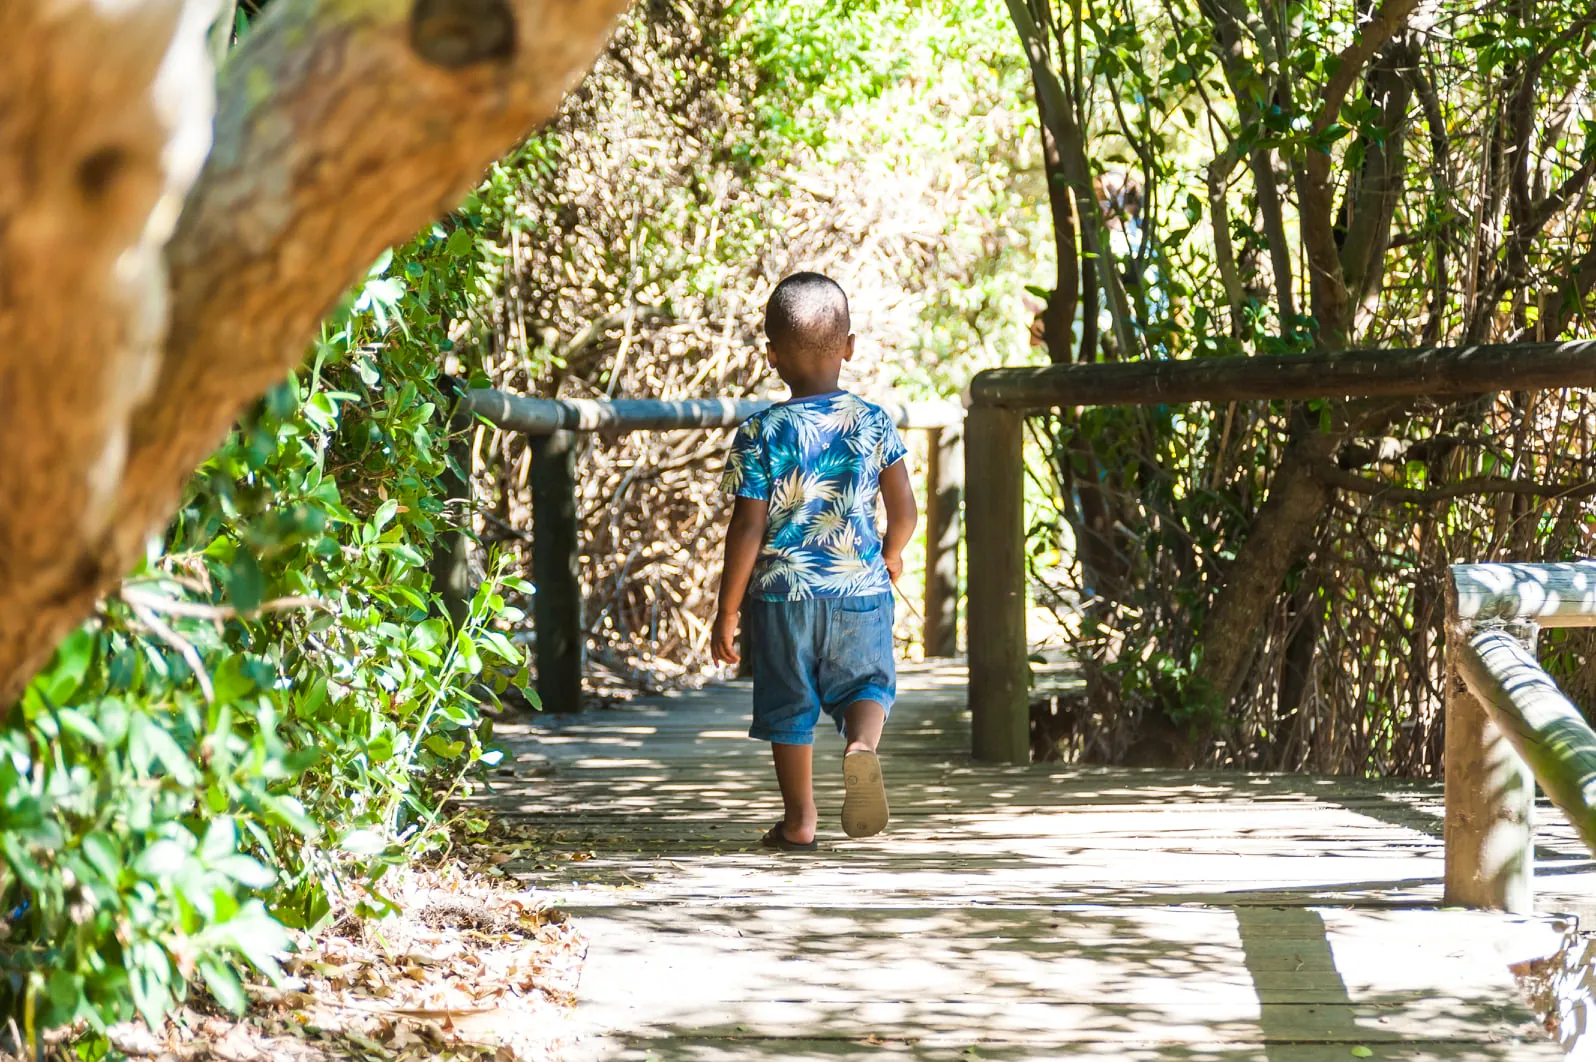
847, 353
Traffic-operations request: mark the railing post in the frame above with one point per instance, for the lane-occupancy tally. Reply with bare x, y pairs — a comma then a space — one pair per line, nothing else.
451, 552
557, 606
944, 496
1490, 794
995, 510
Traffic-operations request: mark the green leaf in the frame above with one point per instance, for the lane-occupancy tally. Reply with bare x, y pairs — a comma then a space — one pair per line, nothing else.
443, 747
231, 680
223, 984
255, 934
385, 512
1362, 1052
101, 852
162, 860
363, 842
246, 587
72, 659
247, 871
77, 723
221, 839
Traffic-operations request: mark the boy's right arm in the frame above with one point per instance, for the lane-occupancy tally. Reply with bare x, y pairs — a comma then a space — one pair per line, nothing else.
744, 537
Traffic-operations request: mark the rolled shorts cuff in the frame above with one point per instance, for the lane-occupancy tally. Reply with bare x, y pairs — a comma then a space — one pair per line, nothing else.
781, 737
880, 694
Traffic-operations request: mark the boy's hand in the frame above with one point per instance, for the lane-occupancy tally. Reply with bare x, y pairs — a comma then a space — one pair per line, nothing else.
723, 643
894, 563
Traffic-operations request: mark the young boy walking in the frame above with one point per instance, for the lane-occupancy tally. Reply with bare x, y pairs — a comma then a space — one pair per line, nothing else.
807, 567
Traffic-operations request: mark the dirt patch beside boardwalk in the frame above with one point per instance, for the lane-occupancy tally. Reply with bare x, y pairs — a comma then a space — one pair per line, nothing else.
1561, 989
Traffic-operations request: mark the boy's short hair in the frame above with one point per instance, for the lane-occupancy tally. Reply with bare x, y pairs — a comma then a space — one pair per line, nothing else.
807, 312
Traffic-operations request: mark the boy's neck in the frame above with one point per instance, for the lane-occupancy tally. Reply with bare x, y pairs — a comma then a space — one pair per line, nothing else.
811, 388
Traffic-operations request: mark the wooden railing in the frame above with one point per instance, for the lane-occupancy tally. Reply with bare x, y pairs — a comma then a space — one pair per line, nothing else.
553, 425
1509, 726
1000, 399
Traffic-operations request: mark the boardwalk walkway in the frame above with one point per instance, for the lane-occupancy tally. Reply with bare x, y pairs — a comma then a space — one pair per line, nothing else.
1008, 913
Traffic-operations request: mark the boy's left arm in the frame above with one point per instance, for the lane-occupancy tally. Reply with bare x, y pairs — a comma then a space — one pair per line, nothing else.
897, 495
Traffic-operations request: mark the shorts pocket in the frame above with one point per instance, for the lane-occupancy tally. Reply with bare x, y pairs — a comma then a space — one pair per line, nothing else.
865, 625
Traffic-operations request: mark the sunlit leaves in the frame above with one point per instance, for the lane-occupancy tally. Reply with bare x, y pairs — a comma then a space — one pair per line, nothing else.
153, 832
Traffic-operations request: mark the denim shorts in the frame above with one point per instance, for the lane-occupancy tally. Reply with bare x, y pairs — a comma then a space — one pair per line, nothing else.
817, 655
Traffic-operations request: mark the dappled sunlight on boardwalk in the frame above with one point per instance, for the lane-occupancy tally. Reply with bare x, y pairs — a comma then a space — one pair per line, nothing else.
1051, 911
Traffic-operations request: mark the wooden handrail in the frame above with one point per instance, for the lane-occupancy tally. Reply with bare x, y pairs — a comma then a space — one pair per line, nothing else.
1552, 595
1548, 730
1509, 726
552, 424
1338, 374
544, 416
1000, 399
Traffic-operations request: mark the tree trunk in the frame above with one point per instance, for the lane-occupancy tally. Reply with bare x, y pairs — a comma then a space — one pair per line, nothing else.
340, 129
1280, 534
1285, 525
1058, 317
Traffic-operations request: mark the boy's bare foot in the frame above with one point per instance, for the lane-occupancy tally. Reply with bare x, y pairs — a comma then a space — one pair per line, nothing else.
864, 801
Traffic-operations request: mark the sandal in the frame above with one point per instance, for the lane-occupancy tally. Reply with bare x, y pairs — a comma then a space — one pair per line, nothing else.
864, 801
777, 838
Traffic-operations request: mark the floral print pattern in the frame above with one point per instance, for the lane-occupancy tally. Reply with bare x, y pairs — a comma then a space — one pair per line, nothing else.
817, 461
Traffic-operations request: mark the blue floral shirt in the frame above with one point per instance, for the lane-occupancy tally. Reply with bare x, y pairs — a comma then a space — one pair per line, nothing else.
818, 462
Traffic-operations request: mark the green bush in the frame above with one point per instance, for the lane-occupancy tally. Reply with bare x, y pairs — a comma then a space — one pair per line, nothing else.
275, 706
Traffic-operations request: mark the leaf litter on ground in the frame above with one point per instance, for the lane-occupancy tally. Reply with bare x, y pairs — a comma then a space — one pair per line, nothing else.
473, 968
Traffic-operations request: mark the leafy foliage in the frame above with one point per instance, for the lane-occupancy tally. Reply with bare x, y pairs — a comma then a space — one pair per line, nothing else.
275, 707
1269, 180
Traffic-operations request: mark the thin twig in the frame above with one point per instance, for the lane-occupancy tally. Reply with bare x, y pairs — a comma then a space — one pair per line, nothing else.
184, 647
1339, 478
194, 610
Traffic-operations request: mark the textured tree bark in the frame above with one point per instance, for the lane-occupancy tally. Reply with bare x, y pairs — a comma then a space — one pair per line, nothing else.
341, 128
105, 116
1281, 533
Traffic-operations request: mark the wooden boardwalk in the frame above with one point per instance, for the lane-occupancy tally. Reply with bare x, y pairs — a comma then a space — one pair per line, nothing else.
1007, 913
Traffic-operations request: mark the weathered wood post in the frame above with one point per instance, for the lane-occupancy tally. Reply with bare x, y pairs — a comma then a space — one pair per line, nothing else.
944, 497
999, 675
557, 606
1490, 793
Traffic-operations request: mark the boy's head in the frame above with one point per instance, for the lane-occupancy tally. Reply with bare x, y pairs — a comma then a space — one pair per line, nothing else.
806, 322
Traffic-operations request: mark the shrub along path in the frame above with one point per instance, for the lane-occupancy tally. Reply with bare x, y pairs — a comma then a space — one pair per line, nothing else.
1008, 912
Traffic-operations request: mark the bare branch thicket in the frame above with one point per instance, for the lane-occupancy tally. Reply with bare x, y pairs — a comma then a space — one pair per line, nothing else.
640, 268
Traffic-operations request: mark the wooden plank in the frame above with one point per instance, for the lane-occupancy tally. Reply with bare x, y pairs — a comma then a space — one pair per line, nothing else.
799, 1048
1546, 728
557, 605
1024, 912
1552, 595
1034, 1021
541, 416
999, 708
1436, 371
944, 502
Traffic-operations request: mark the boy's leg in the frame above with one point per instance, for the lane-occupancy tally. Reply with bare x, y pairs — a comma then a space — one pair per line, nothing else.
795, 776
862, 723
858, 675
786, 706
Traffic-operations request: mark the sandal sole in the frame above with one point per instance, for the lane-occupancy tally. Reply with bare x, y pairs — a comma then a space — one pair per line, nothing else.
864, 802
